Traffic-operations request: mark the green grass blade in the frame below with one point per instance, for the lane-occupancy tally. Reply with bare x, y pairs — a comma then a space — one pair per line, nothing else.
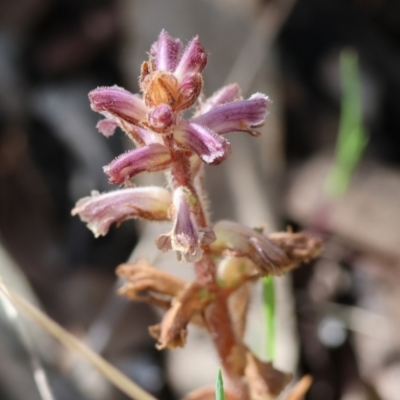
219, 387
269, 314
352, 138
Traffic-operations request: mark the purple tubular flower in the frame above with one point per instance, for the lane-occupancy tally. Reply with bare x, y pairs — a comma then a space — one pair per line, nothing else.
151, 158
186, 237
118, 102
211, 148
99, 211
227, 94
241, 241
165, 52
193, 60
241, 115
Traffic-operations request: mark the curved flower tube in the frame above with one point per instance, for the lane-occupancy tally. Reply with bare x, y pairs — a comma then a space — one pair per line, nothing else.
151, 158
100, 211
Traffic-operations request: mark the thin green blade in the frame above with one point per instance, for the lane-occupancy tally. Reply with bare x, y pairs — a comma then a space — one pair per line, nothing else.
219, 387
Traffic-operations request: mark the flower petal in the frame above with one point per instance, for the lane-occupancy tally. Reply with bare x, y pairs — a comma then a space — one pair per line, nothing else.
107, 126
118, 102
99, 211
194, 60
151, 158
165, 52
241, 115
227, 94
211, 148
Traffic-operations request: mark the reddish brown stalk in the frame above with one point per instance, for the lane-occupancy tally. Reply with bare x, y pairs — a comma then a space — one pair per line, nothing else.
232, 353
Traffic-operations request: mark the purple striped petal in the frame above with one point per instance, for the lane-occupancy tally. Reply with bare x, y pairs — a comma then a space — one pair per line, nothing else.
118, 102
241, 115
194, 60
100, 211
151, 158
210, 147
227, 94
165, 52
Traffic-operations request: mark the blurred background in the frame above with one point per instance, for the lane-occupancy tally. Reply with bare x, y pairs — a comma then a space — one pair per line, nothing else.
338, 318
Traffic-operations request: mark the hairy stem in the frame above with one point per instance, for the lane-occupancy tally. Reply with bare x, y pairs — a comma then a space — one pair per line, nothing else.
231, 351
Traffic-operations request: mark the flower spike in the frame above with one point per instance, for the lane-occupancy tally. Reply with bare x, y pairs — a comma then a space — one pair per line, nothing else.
228, 256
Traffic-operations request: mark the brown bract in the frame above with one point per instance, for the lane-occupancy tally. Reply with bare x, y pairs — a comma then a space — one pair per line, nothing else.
162, 87
145, 283
265, 382
300, 247
172, 330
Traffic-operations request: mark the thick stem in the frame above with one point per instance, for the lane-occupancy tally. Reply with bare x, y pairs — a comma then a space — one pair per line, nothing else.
231, 351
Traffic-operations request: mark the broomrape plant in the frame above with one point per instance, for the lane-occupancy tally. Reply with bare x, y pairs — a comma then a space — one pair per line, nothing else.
226, 256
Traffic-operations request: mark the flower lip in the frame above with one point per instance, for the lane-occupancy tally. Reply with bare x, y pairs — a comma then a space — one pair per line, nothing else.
107, 127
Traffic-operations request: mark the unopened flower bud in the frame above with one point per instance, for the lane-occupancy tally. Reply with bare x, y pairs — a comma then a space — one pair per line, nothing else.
193, 61
160, 118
